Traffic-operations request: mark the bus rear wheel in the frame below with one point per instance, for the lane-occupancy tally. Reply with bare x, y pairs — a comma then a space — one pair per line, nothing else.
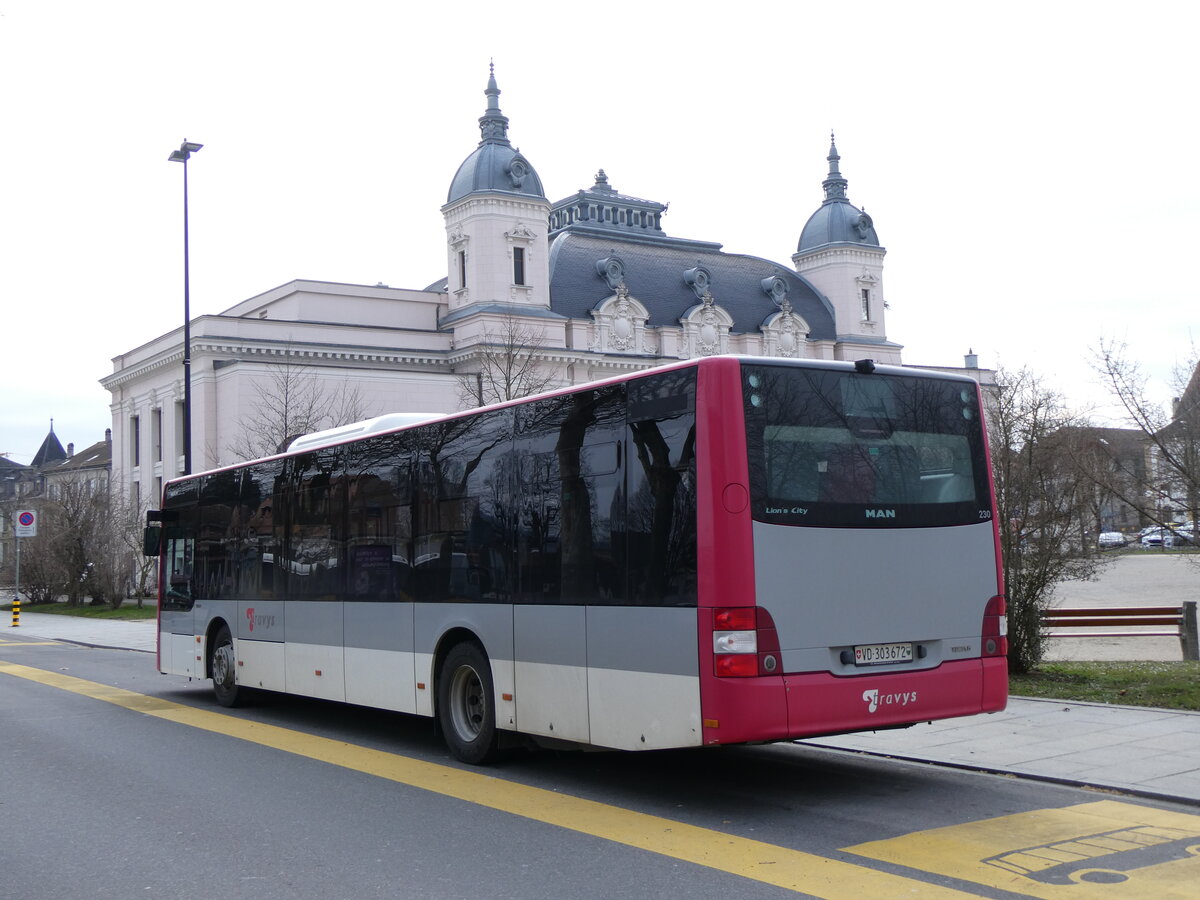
224, 670
466, 704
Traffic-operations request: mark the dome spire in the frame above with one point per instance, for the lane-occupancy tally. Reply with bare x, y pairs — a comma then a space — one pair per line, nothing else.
493, 124
834, 184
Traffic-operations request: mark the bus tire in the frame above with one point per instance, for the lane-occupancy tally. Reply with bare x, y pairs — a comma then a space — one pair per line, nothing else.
467, 704
224, 670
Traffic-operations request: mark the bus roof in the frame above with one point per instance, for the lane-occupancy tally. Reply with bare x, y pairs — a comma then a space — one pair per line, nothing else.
396, 421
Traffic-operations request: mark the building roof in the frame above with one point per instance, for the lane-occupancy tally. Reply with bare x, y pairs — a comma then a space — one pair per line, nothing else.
837, 220
10, 466
670, 276
50, 452
496, 165
97, 456
603, 209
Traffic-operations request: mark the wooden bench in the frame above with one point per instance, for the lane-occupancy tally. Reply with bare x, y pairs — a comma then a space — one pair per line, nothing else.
1180, 619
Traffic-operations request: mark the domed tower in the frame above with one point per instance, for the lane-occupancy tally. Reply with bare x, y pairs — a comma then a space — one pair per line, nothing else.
839, 253
496, 221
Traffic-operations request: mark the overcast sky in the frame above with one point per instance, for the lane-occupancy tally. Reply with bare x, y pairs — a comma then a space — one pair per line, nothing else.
1032, 168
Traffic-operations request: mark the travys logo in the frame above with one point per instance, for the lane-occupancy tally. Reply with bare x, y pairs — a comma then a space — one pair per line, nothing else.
874, 699
263, 621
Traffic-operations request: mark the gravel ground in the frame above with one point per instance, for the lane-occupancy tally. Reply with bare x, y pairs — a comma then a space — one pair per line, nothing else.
1140, 579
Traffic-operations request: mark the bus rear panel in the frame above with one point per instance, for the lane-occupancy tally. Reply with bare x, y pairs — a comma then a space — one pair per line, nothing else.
853, 581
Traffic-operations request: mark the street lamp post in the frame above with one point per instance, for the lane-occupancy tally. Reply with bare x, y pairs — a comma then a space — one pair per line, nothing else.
185, 150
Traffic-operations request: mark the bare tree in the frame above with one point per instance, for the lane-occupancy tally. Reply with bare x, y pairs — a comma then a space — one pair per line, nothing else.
127, 522
510, 365
1170, 481
76, 552
293, 400
79, 517
1043, 501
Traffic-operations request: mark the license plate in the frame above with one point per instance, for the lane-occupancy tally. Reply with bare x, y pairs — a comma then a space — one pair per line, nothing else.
882, 654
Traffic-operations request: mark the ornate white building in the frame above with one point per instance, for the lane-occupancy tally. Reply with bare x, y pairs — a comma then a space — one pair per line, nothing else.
592, 279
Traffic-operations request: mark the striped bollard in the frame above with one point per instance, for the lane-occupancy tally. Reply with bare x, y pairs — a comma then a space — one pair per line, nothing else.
16, 612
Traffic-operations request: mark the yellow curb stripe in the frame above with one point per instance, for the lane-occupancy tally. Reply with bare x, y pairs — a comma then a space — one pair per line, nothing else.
757, 860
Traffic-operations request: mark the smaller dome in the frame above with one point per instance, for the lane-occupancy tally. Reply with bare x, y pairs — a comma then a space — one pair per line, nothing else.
496, 165
837, 221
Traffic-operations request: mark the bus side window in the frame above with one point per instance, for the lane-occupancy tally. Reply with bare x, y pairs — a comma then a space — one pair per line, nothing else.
661, 489
379, 535
461, 514
179, 560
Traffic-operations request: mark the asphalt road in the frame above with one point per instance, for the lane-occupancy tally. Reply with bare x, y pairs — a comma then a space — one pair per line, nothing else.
121, 782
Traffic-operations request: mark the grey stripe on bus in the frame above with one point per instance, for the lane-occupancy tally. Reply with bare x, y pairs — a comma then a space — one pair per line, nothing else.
638, 639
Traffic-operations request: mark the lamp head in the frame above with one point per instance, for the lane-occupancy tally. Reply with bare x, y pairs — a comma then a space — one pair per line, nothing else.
186, 149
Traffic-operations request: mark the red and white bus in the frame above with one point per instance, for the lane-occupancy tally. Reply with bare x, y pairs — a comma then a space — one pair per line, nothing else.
722, 551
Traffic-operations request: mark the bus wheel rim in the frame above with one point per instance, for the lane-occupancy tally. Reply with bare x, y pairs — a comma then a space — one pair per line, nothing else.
223, 664
468, 704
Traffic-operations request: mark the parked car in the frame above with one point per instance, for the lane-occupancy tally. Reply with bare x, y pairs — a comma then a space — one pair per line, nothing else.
1155, 537
1174, 536
1110, 540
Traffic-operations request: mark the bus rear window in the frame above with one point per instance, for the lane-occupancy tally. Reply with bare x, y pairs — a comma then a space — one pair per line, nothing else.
840, 448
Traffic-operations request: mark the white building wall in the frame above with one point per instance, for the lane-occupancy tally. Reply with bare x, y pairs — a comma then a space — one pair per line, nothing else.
488, 227
841, 272
384, 340
240, 388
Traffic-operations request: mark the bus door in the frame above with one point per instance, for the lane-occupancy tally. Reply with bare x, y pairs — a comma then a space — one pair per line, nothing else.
176, 624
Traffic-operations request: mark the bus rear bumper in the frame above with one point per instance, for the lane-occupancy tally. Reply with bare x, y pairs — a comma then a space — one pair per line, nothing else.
821, 703
796, 706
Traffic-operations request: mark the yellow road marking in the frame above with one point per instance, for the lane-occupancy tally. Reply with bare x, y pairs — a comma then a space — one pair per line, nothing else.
757, 860
1102, 849
17, 642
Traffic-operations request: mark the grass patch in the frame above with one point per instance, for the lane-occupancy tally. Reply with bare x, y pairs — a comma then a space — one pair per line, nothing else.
128, 611
1166, 685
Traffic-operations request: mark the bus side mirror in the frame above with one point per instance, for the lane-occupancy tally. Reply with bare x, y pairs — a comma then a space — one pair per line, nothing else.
151, 538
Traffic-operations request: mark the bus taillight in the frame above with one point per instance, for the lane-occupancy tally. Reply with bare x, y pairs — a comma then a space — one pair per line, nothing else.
745, 642
995, 628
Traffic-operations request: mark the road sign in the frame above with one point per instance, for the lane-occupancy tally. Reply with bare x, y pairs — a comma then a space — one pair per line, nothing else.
26, 523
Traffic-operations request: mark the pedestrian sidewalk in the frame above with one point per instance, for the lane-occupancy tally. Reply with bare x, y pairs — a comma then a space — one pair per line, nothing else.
139, 635
1147, 752
1134, 749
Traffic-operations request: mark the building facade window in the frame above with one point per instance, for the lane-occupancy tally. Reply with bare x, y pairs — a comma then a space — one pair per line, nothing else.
866, 304
462, 268
135, 441
518, 265
179, 416
156, 433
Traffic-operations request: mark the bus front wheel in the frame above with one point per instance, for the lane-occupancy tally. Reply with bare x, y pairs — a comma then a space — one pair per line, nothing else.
224, 669
466, 704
